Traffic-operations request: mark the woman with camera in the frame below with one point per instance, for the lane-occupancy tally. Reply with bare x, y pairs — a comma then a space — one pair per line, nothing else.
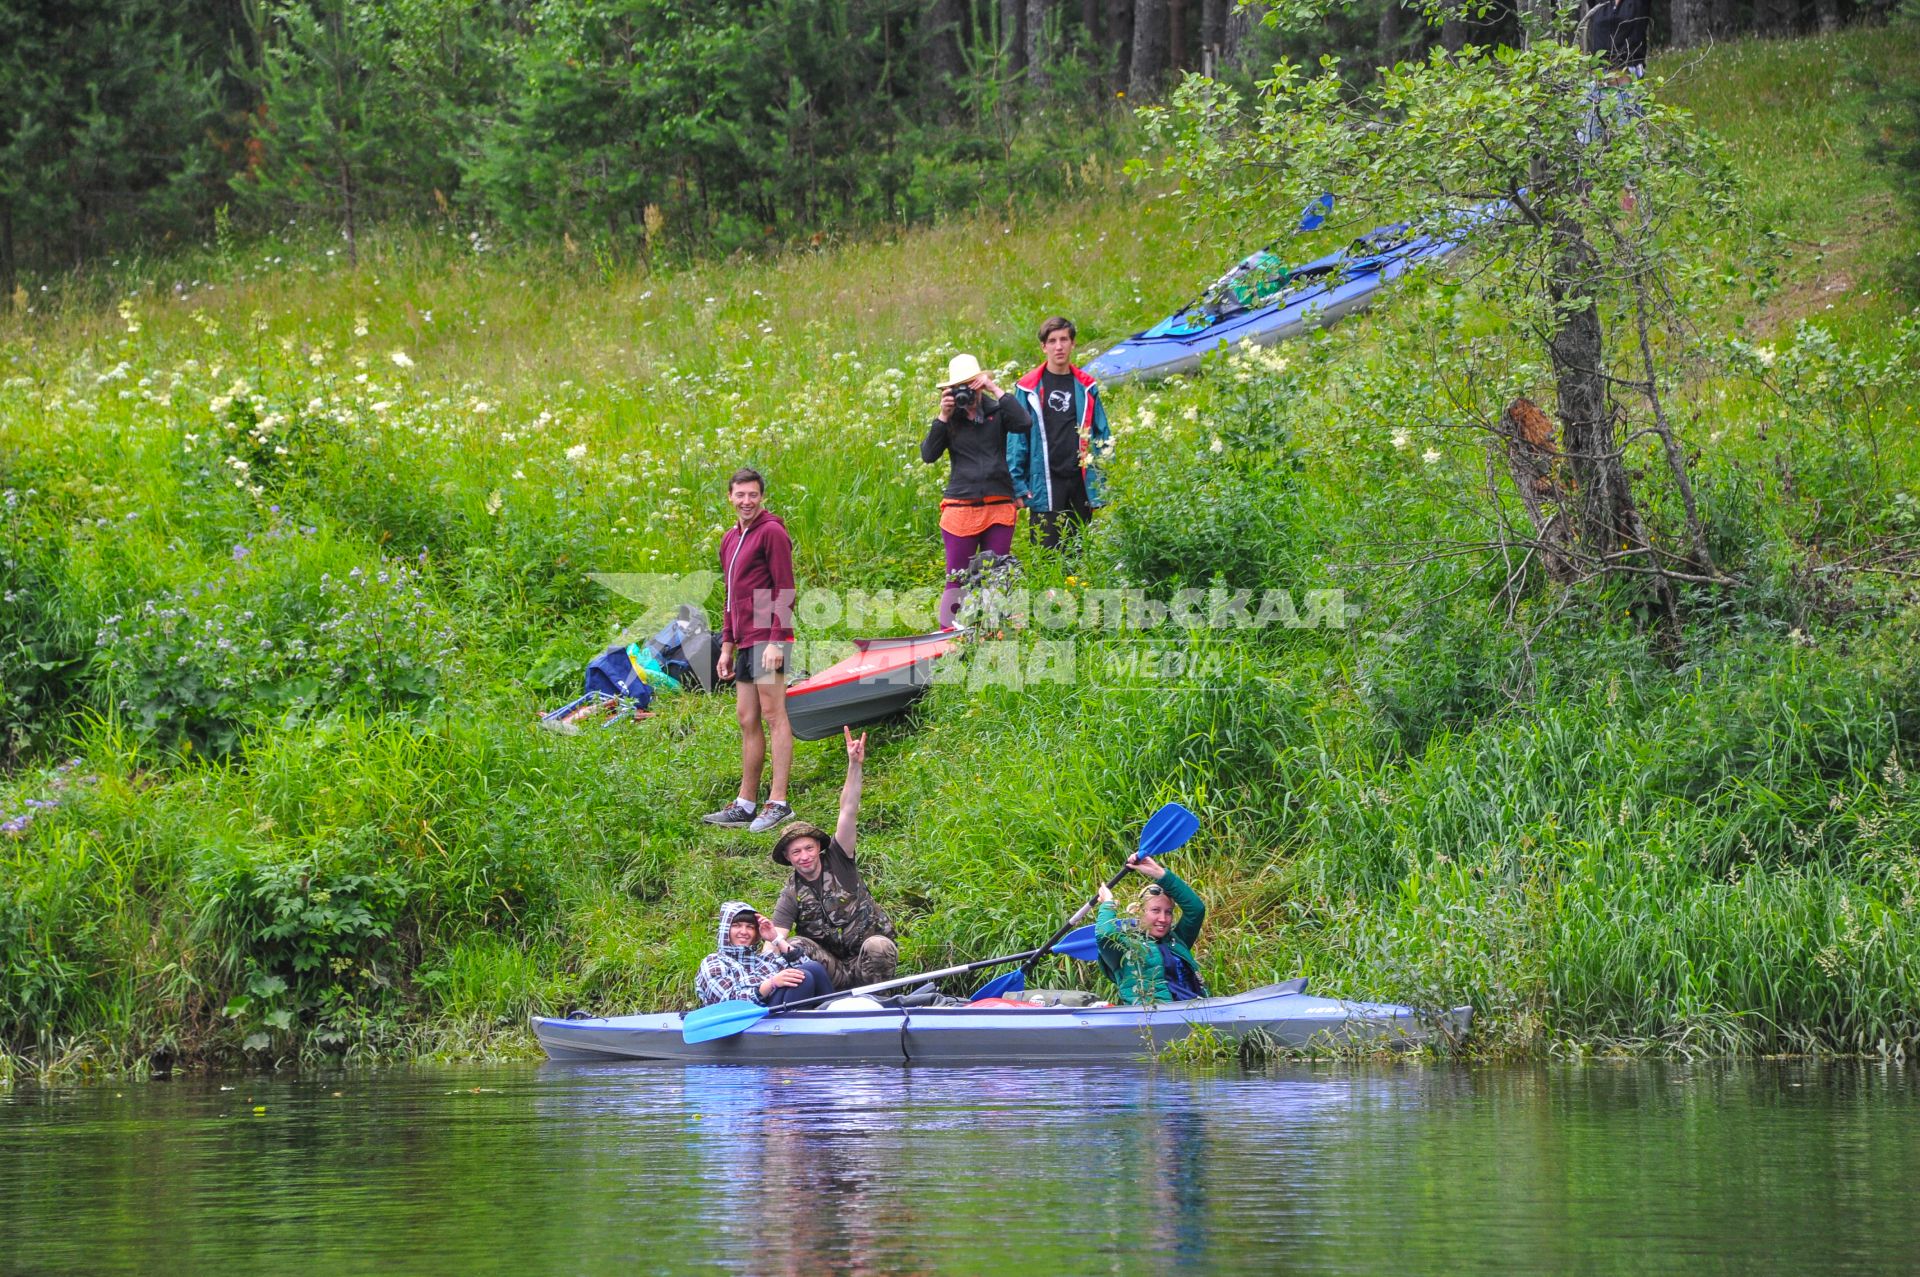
977, 511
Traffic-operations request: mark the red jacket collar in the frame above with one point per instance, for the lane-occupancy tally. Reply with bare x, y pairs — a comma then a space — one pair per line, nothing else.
1032, 380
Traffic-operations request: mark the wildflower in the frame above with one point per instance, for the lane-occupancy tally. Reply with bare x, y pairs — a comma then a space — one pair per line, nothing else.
1216, 446
1430, 456
1402, 439
360, 324
401, 359
577, 453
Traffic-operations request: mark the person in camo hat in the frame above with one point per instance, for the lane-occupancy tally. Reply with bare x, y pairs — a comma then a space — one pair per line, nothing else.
826, 907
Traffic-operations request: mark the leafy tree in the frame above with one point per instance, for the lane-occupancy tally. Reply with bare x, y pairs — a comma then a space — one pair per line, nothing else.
1589, 197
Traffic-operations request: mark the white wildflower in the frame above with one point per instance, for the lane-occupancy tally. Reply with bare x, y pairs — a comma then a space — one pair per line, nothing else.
577, 453
1402, 439
1430, 456
401, 359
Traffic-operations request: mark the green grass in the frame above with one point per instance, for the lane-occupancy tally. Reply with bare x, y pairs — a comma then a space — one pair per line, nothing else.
353, 842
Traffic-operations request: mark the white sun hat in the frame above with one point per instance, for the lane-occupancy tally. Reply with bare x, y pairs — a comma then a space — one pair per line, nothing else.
960, 370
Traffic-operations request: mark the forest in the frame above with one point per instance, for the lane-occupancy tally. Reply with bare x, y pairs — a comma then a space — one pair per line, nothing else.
633, 128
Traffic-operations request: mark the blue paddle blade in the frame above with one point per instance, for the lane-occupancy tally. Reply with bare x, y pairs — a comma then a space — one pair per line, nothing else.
1079, 944
1001, 985
1315, 214
1168, 828
721, 1020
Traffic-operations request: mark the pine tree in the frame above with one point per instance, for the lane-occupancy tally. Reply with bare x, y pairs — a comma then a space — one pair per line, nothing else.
106, 108
332, 129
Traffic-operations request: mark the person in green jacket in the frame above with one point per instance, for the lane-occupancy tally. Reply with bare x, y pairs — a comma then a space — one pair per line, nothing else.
1152, 961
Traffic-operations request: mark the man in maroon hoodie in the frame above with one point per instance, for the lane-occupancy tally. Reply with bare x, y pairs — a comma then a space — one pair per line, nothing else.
756, 644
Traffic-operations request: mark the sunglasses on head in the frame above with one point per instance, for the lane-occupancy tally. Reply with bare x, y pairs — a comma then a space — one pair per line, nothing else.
1153, 889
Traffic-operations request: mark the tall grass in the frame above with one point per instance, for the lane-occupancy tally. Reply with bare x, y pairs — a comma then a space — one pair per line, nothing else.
294, 555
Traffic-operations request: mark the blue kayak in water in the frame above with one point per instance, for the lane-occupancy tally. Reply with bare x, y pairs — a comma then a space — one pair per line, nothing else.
1263, 301
978, 1033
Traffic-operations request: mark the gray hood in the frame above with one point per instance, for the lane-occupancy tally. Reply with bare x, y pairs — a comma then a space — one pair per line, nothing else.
728, 912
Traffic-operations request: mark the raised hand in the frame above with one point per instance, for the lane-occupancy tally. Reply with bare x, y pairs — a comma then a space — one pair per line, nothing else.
1146, 867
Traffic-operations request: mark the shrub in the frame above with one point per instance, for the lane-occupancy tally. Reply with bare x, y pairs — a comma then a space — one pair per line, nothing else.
309, 941
286, 627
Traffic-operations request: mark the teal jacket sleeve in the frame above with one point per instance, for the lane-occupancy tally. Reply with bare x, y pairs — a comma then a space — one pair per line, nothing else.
1100, 449
1019, 461
1193, 910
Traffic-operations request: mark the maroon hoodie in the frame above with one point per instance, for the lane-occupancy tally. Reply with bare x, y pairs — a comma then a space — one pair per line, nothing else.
756, 565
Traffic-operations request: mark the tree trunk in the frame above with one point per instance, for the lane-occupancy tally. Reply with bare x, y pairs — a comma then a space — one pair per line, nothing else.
1690, 22
1090, 25
1213, 35
1149, 62
9, 275
1120, 40
1827, 15
1535, 20
1775, 17
940, 37
1010, 42
1723, 18
1038, 55
1604, 518
1391, 35
1177, 36
1236, 45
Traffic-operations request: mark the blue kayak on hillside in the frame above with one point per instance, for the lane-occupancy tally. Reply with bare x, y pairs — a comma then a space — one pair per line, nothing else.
1263, 301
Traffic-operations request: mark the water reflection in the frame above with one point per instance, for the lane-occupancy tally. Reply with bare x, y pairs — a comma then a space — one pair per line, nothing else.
1039, 1170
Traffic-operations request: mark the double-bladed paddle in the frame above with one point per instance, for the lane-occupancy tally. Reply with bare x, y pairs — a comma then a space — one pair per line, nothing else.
1166, 829
724, 1019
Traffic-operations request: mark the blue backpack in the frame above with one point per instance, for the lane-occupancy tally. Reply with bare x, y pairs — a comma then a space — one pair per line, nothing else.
617, 672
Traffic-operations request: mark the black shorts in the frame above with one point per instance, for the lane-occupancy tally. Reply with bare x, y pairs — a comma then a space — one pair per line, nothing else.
750, 663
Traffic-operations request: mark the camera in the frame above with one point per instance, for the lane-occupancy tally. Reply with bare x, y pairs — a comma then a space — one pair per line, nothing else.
962, 396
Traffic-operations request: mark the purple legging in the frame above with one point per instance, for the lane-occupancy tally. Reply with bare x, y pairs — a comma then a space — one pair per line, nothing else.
996, 540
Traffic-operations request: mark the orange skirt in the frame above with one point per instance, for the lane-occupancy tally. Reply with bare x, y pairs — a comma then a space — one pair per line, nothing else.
970, 519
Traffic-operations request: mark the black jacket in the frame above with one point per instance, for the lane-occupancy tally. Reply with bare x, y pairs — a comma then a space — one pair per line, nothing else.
1617, 31
979, 448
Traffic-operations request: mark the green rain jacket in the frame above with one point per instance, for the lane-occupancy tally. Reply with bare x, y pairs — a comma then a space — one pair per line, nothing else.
1133, 962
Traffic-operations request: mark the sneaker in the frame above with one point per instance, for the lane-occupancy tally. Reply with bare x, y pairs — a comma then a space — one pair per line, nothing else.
770, 815
735, 815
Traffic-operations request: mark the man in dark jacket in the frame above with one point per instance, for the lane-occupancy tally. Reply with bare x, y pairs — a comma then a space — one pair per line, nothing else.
756, 646
1617, 31
977, 512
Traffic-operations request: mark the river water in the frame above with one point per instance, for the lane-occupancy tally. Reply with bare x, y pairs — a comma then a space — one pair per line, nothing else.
1631, 1167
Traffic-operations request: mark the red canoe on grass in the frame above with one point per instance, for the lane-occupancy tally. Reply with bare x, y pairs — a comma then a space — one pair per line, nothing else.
882, 678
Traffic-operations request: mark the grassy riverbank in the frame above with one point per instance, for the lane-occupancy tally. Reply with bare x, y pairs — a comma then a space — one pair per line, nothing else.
295, 555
